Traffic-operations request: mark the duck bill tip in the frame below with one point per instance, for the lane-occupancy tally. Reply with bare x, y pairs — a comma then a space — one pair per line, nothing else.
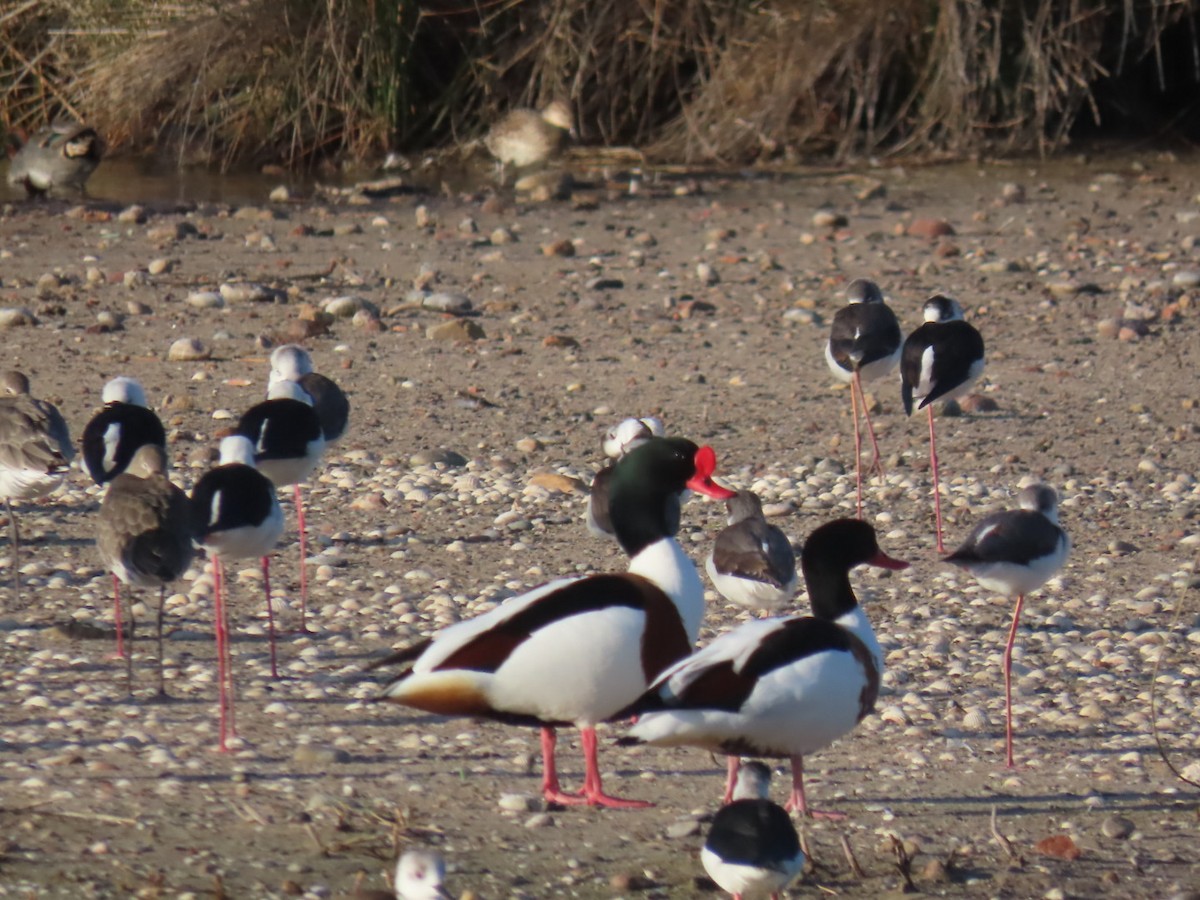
883, 561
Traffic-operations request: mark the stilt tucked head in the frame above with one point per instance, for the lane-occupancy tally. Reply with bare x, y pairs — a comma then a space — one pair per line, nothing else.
942, 308
753, 781
626, 435
237, 449
123, 389
291, 362
288, 390
1040, 498
863, 290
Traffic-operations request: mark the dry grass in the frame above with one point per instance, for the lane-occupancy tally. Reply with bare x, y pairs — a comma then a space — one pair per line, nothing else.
296, 81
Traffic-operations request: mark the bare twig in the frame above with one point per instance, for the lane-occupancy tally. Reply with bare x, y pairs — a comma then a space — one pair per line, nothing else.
1005, 843
73, 814
903, 863
851, 858
1162, 651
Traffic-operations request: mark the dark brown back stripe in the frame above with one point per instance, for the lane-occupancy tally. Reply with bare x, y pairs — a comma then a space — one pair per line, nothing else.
488, 651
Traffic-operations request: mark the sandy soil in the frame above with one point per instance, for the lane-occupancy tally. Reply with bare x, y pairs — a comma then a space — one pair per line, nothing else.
705, 300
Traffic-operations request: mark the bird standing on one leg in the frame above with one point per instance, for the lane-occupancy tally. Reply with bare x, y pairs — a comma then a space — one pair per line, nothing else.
286, 434
292, 363
144, 535
941, 360
235, 514
1015, 552
864, 344
35, 453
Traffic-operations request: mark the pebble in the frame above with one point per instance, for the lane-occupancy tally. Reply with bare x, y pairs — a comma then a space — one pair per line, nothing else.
439, 456
930, 228
1117, 827
205, 300
447, 302
456, 330
246, 292
16, 316
188, 349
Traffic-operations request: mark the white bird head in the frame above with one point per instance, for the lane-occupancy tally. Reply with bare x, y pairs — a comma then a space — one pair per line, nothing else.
291, 362
942, 308
287, 390
419, 876
124, 389
237, 448
753, 781
623, 437
1040, 498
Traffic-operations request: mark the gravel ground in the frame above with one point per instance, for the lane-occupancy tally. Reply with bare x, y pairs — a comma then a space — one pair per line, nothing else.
705, 301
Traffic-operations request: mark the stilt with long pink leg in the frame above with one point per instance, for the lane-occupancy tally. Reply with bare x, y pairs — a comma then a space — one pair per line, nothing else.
941, 360
864, 344
292, 365
1015, 552
236, 514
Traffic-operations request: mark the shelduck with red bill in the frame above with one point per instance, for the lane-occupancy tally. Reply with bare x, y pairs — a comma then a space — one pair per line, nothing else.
1016, 552
781, 687
578, 650
941, 360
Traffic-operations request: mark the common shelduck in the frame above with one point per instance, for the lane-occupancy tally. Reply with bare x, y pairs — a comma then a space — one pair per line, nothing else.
35, 453
752, 562
235, 514
617, 441
144, 535
1015, 552
782, 687
942, 359
288, 439
752, 849
110, 439
578, 650
864, 345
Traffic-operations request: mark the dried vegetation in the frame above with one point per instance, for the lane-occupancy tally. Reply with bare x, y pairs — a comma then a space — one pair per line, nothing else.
295, 81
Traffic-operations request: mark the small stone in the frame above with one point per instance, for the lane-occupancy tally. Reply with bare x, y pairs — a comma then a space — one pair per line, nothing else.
930, 228
683, 829
314, 755
246, 292
345, 307
15, 316
447, 302
456, 330
978, 403
280, 194
529, 445
827, 218
520, 803
188, 349
1117, 827
160, 266
441, 456
706, 274
556, 483
1108, 328
558, 248
205, 300
1186, 278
